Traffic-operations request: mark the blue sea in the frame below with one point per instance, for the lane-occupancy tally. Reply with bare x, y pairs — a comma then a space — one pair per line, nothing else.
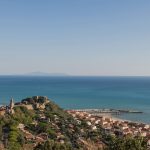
83, 92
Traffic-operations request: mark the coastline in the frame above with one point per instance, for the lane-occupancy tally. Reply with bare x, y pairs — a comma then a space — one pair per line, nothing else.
108, 115
112, 125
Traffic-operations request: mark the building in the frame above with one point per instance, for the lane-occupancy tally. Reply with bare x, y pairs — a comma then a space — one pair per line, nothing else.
11, 106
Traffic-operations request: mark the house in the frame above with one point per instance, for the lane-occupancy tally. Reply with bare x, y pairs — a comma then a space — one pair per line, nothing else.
94, 128
89, 123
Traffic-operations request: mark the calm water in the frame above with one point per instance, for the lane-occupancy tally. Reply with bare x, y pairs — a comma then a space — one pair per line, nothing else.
83, 92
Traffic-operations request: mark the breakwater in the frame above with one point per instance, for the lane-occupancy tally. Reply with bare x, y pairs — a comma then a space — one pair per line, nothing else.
109, 111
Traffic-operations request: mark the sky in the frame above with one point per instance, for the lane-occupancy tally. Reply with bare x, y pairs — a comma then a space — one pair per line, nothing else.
75, 37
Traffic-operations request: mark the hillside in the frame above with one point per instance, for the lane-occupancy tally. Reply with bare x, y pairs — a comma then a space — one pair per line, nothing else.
37, 123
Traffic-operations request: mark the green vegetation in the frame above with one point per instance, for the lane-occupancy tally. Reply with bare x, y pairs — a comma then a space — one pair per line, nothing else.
126, 143
10, 133
23, 115
52, 145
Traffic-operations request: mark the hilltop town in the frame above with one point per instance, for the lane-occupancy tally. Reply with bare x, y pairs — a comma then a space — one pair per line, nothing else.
37, 123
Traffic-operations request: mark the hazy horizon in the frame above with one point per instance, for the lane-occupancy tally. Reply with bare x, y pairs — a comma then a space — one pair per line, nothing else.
56, 74
80, 38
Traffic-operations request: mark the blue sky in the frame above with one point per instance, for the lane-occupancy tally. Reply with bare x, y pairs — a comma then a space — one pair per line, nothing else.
77, 37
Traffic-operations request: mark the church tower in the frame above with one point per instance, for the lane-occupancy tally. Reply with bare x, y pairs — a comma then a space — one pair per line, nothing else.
11, 103
11, 106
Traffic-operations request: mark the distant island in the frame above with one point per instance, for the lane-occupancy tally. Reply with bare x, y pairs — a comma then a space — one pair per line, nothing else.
37, 123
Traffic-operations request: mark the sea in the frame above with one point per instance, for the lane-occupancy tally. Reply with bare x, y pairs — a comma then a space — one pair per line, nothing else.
72, 92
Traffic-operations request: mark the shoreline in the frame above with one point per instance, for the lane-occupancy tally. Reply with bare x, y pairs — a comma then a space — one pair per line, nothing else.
112, 125
118, 119
108, 115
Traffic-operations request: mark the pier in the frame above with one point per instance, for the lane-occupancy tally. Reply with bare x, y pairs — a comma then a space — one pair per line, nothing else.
108, 111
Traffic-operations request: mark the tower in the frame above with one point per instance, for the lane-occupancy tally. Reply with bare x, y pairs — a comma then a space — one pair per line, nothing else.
11, 103
11, 106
